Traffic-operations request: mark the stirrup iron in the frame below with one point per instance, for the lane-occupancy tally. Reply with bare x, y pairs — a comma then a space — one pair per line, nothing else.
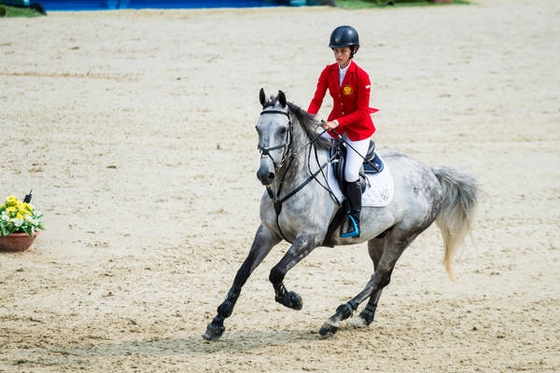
354, 231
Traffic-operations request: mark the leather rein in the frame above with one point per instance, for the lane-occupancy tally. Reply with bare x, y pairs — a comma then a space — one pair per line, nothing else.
287, 155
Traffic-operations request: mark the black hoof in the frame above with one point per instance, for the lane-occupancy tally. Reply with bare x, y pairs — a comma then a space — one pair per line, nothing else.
328, 330
213, 332
291, 300
296, 301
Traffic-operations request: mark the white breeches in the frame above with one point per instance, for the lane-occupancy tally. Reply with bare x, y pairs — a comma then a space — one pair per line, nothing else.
355, 155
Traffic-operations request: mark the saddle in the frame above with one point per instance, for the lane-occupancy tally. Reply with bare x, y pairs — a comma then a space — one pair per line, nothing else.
372, 163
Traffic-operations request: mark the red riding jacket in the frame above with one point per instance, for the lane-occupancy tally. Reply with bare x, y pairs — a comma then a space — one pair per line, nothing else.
350, 100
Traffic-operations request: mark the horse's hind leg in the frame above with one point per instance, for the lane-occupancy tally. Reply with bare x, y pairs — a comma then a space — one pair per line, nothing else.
396, 242
262, 244
375, 249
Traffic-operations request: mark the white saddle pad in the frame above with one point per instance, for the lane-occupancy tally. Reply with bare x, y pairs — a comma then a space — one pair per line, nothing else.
379, 192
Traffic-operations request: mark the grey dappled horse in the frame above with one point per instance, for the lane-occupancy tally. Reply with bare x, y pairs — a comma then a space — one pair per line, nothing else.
298, 207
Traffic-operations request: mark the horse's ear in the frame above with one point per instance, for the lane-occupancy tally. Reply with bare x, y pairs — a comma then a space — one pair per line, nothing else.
282, 98
262, 97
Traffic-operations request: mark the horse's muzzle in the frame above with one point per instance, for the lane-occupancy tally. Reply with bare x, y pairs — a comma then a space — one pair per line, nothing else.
266, 172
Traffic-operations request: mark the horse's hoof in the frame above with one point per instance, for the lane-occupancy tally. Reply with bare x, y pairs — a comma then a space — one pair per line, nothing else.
291, 300
328, 330
296, 301
213, 332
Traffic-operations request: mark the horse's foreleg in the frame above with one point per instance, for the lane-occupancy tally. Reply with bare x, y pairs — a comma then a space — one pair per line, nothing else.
262, 244
301, 247
290, 299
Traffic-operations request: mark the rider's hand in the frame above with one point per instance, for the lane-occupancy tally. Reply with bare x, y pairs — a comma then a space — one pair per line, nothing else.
330, 125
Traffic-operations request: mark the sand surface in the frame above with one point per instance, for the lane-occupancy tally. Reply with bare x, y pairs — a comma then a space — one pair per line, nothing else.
135, 130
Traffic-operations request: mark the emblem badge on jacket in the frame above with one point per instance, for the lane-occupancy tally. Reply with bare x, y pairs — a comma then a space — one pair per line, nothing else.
347, 90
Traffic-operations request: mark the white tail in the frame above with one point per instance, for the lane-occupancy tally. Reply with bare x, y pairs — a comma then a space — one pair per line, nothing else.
460, 199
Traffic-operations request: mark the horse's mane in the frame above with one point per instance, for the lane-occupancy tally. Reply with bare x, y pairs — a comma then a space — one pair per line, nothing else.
310, 124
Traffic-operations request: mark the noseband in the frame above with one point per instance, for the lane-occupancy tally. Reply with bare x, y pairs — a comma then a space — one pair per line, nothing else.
287, 145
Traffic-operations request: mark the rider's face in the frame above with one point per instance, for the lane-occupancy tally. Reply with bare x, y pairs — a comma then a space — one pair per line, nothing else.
342, 56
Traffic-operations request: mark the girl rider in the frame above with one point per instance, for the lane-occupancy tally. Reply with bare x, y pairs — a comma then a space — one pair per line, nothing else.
349, 87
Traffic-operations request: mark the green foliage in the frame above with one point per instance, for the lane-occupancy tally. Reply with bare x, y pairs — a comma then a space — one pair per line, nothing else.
10, 11
19, 217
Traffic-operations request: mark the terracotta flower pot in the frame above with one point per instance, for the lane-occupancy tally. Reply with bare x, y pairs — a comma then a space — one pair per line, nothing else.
16, 241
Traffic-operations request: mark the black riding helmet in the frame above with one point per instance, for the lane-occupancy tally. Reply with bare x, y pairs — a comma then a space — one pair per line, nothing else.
345, 36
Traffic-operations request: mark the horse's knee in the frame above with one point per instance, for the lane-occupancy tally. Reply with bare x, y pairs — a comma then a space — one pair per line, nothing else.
276, 275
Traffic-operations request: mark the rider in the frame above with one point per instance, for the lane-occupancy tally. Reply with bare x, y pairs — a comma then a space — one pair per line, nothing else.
349, 86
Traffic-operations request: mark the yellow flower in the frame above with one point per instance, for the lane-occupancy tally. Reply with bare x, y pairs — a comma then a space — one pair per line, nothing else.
28, 207
11, 201
17, 216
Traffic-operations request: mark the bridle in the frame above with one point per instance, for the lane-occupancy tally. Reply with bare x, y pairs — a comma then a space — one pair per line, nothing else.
287, 153
286, 146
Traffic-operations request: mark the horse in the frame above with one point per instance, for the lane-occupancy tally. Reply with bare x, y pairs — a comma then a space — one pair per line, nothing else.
298, 206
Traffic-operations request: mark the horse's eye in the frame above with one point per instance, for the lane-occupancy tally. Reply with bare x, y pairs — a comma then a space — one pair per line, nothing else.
283, 130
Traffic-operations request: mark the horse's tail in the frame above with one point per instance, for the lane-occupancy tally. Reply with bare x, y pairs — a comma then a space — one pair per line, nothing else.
455, 218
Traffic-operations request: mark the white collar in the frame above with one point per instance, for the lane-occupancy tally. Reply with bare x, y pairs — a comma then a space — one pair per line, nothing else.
342, 72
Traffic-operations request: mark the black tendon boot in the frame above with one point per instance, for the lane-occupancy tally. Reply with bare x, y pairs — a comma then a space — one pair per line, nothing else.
353, 192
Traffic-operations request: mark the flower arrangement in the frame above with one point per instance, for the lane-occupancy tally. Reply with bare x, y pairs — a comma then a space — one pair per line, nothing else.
19, 216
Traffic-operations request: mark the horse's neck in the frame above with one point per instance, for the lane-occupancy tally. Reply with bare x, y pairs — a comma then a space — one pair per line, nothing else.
302, 165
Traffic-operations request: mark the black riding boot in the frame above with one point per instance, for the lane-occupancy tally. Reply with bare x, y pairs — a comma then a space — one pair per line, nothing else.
353, 192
